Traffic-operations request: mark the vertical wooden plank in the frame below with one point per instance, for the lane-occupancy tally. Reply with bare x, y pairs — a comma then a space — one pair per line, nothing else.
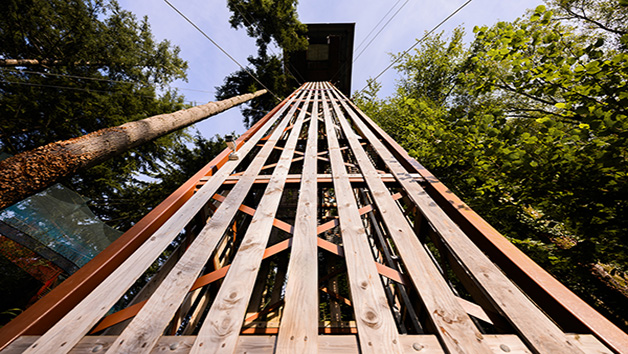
539, 332
377, 331
298, 332
221, 329
451, 322
144, 331
69, 330
569, 310
150, 287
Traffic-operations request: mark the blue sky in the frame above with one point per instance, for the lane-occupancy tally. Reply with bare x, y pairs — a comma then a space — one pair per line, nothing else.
208, 66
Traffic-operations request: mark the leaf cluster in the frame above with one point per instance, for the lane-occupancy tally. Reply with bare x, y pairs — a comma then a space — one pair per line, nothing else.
268, 70
266, 20
528, 124
99, 67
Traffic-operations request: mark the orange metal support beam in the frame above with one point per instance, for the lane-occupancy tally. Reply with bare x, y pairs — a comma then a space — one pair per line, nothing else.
206, 279
52, 307
565, 307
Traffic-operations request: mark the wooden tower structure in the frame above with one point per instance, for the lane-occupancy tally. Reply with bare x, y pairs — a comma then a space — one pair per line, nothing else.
321, 235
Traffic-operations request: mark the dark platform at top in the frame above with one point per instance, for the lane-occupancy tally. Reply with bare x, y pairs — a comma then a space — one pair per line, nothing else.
329, 55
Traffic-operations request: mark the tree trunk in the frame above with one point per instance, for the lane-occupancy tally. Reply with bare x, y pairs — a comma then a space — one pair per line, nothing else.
32, 171
36, 62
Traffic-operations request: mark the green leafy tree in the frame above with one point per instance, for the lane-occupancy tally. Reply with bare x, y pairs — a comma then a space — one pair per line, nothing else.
269, 71
572, 99
68, 68
266, 20
106, 69
528, 125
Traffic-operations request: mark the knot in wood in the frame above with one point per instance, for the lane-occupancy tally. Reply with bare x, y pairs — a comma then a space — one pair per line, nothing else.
371, 318
446, 317
224, 327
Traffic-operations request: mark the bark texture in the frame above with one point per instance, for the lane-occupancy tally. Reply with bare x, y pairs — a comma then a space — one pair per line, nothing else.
35, 62
32, 171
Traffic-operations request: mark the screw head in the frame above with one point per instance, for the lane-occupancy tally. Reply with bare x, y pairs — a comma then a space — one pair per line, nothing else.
417, 346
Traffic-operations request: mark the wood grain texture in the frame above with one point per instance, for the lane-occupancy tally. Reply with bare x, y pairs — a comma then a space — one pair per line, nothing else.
221, 329
454, 327
144, 330
539, 332
376, 326
298, 332
31, 171
72, 327
336, 344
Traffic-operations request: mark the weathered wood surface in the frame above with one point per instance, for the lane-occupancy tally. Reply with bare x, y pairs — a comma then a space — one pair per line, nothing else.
144, 330
69, 330
376, 326
337, 344
452, 324
556, 298
298, 332
536, 329
220, 331
299, 329
145, 293
31, 171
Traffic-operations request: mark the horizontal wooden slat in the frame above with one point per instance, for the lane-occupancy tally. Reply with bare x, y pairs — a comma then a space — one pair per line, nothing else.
538, 330
328, 344
219, 332
376, 325
68, 331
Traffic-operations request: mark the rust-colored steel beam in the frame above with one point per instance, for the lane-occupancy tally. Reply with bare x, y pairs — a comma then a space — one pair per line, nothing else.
51, 308
294, 180
565, 307
321, 330
206, 279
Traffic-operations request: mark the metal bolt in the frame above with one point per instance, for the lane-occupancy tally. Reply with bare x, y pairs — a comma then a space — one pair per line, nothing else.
504, 348
97, 348
174, 346
417, 347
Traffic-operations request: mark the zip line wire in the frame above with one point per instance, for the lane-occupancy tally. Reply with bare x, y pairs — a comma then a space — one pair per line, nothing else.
375, 27
98, 79
221, 49
237, 7
81, 89
381, 29
344, 65
417, 42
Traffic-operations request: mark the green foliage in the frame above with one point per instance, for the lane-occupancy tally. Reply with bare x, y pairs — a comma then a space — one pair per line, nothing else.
267, 20
269, 70
568, 125
529, 125
17, 286
264, 20
140, 195
108, 70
